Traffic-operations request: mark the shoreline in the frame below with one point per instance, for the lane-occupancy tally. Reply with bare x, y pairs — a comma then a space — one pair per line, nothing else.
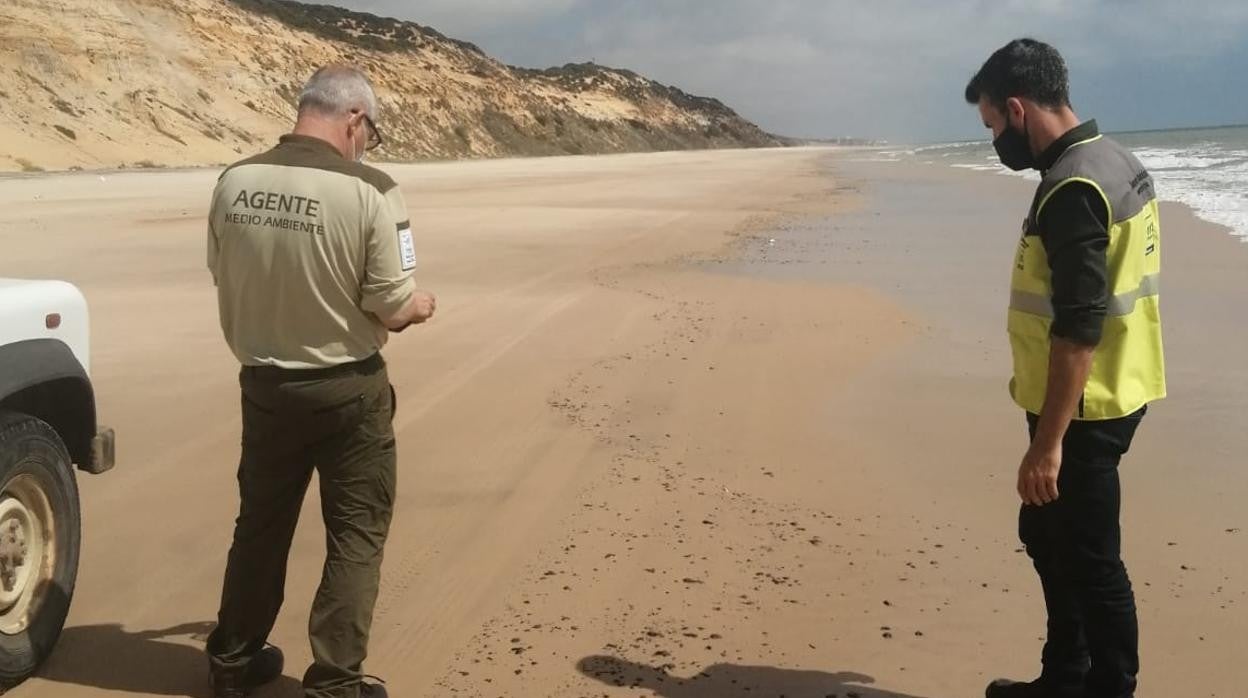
913, 157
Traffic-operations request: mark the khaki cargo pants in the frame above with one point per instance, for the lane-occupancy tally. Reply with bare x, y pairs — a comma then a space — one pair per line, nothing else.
336, 422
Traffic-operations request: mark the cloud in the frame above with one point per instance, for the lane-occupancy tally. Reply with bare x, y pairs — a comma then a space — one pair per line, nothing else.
886, 68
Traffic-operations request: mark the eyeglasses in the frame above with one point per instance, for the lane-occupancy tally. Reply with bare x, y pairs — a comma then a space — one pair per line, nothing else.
374, 135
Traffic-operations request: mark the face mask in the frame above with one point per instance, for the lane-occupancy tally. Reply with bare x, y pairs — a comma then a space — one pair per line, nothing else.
1014, 148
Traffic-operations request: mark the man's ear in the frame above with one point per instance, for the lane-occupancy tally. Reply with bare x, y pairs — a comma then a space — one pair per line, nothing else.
1013, 108
356, 120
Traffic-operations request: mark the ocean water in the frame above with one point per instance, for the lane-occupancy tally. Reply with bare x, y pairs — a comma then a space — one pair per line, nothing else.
1206, 168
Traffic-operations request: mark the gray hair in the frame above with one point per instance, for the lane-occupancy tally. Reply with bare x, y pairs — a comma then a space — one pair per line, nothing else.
338, 89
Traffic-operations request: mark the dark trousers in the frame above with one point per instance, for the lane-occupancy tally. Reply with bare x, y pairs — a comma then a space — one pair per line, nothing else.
337, 423
1076, 544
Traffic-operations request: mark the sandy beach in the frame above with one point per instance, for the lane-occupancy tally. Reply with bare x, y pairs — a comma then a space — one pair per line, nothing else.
692, 425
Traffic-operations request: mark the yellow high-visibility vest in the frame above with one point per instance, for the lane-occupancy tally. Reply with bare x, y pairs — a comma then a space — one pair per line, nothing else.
1128, 369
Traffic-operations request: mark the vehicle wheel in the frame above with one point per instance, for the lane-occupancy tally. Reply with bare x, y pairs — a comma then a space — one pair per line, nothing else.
39, 542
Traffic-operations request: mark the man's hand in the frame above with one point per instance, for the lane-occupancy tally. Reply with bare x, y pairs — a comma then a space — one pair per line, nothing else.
1037, 476
423, 306
1069, 365
419, 308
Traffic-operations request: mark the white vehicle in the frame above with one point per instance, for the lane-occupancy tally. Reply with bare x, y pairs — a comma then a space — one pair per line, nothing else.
47, 427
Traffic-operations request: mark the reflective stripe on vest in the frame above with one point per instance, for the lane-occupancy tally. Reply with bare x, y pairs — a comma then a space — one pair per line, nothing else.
1118, 305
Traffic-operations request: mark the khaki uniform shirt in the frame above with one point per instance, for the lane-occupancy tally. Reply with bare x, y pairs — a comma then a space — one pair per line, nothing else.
307, 249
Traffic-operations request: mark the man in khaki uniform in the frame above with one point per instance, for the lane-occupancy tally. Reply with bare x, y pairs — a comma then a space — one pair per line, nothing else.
312, 255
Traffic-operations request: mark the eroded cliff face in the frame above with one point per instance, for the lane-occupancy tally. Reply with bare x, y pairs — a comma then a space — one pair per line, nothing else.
108, 83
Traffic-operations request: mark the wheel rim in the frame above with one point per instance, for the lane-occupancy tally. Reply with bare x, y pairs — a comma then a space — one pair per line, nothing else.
27, 551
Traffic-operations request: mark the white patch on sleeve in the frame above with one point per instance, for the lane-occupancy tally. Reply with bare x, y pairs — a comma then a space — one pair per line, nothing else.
407, 249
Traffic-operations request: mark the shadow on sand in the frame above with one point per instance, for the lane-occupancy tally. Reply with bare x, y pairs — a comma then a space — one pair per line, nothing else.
151, 662
734, 681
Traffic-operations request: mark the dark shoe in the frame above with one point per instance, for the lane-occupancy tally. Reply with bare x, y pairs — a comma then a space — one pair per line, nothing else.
226, 684
374, 690
1003, 688
265, 666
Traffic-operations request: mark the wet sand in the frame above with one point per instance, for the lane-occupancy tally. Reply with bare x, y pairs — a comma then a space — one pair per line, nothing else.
709, 425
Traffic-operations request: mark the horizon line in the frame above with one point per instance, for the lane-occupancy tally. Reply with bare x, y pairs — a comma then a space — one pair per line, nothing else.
1166, 129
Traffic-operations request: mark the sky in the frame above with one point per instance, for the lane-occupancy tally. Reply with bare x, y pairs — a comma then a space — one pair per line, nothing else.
884, 69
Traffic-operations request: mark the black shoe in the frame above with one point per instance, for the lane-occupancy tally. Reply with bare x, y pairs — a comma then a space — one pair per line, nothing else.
374, 690
1003, 688
265, 666
226, 684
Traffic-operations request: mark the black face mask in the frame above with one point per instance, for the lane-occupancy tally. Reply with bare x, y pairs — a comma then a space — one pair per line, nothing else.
1014, 148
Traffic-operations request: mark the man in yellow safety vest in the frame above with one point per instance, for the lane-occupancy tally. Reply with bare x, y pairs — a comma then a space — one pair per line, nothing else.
1085, 333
